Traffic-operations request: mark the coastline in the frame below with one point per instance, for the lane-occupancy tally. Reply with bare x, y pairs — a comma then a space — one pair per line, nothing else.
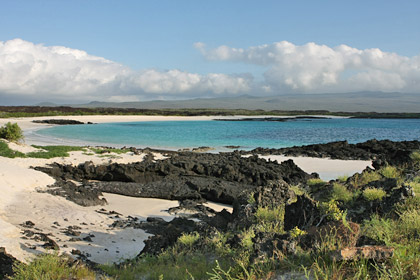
22, 202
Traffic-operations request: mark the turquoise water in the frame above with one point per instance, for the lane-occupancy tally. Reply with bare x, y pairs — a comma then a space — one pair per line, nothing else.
247, 134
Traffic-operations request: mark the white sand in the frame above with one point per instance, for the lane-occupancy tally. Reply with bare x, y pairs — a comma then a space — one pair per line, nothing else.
20, 202
327, 169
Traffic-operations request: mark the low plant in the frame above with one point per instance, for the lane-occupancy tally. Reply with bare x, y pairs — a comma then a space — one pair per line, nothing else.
53, 151
297, 190
51, 267
11, 132
331, 211
343, 178
188, 239
365, 178
108, 150
246, 238
270, 219
297, 232
315, 182
389, 172
340, 192
5, 151
372, 194
415, 157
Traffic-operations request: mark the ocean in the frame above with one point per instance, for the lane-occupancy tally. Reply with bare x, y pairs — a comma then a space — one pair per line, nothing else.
245, 134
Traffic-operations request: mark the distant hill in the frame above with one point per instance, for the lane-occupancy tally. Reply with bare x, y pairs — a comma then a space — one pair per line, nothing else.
347, 102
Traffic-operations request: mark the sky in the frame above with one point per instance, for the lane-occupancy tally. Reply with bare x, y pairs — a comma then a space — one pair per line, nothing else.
80, 51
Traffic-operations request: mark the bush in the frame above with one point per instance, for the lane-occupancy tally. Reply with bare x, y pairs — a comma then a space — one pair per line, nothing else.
188, 239
415, 157
365, 178
340, 192
11, 132
371, 194
389, 172
270, 219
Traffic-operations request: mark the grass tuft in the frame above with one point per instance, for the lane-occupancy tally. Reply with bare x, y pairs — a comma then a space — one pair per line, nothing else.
51, 267
389, 172
270, 219
340, 192
371, 194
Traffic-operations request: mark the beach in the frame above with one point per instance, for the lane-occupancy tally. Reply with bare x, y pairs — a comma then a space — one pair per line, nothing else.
53, 216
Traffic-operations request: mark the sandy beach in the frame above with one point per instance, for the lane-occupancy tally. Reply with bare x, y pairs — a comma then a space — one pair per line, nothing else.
52, 215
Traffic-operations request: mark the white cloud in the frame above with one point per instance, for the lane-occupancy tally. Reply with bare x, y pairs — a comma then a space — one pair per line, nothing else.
320, 68
56, 72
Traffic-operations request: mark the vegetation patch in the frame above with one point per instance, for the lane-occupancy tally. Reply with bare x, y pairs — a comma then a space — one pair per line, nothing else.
340, 192
5, 151
359, 180
53, 151
11, 132
270, 219
372, 194
52, 267
389, 172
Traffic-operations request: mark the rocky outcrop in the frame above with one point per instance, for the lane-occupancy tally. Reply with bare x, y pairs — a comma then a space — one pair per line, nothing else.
215, 177
382, 151
59, 122
81, 194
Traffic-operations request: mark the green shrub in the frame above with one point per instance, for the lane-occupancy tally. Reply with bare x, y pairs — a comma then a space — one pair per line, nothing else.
410, 222
315, 182
343, 178
340, 192
389, 172
331, 210
51, 267
297, 232
365, 178
11, 132
297, 190
188, 239
415, 157
270, 219
372, 194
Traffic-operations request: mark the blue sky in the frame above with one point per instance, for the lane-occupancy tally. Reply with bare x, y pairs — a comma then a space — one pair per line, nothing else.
161, 35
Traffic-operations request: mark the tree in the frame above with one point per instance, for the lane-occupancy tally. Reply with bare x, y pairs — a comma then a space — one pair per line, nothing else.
11, 132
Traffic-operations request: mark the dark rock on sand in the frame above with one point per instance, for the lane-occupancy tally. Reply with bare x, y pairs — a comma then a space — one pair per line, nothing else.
60, 122
215, 177
84, 195
382, 151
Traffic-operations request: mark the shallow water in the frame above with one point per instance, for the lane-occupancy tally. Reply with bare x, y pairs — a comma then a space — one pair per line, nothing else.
246, 134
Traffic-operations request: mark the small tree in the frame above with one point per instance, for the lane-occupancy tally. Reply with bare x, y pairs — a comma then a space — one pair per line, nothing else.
11, 132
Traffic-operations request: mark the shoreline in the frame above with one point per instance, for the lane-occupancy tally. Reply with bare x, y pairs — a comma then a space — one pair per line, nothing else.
21, 201
32, 138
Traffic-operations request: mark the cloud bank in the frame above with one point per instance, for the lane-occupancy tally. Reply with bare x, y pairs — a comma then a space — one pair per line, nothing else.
55, 73
315, 68
59, 73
